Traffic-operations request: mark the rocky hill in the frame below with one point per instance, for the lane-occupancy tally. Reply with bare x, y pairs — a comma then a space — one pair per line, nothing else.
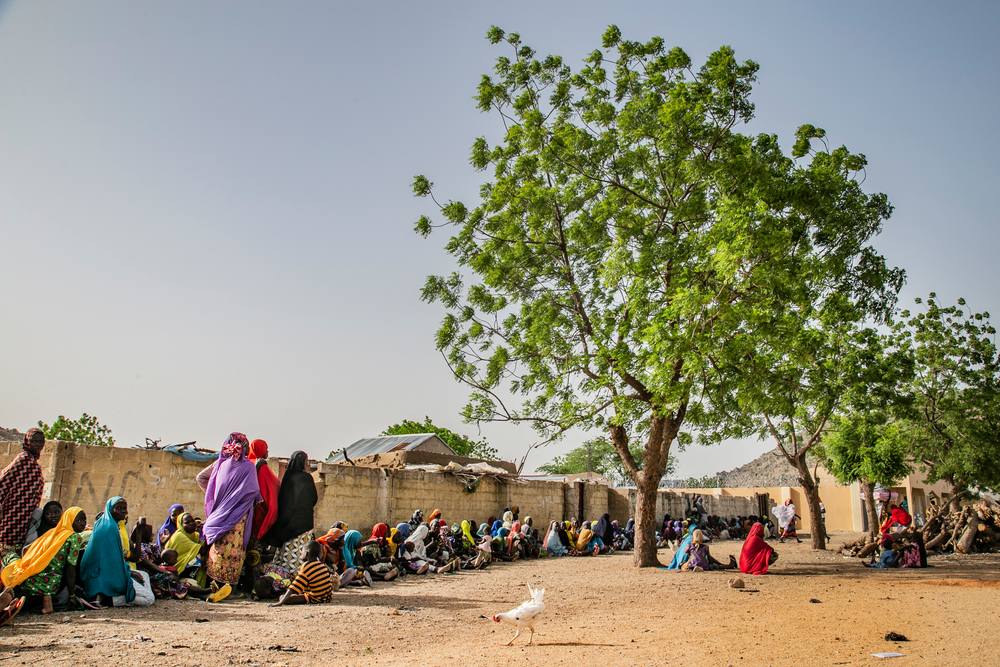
768, 469
11, 434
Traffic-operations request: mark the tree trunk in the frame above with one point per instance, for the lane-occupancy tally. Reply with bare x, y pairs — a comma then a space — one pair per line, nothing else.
662, 431
812, 497
957, 491
644, 554
868, 489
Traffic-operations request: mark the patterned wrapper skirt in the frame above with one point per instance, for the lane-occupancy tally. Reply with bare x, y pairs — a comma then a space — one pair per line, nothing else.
289, 555
225, 556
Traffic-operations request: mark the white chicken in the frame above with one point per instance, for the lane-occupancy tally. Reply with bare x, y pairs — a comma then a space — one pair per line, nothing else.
524, 616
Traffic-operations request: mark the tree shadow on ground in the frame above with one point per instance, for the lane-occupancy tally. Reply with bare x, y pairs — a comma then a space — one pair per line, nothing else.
416, 599
575, 644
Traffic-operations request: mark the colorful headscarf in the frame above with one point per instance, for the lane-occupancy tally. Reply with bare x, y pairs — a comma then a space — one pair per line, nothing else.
404, 530
33, 434
436, 514
351, 541
495, 529
41, 552
235, 446
232, 492
258, 450
755, 555
21, 486
266, 511
329, 542
187, 545
331, 537
103, 569
170, 525
379, 531
468, 541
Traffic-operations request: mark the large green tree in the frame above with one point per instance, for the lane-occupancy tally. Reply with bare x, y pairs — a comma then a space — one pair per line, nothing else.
954, 417
627, 235
86, 430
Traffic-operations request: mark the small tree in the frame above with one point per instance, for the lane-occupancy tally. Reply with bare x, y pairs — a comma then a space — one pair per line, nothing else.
954, 415
865, 449
86, 430
462, 444
603, 459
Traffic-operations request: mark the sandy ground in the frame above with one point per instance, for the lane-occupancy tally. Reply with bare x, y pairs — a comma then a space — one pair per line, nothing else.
815, 608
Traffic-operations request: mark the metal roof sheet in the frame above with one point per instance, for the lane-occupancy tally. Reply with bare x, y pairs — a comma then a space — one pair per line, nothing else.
384, 444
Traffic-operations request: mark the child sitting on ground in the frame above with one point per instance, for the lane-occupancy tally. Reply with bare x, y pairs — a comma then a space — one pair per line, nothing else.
312, 583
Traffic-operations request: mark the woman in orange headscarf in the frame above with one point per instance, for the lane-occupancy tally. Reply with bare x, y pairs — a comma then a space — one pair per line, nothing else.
49, 563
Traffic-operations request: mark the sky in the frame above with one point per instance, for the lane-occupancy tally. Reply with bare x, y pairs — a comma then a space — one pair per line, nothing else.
207, 224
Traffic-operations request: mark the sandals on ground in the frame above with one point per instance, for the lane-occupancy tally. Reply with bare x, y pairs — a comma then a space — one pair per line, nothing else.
8, 614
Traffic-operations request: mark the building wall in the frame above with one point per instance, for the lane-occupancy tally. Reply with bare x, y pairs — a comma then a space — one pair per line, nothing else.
86, 476
151, 481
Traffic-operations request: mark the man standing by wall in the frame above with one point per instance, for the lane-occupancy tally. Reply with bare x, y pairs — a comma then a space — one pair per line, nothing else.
21, 486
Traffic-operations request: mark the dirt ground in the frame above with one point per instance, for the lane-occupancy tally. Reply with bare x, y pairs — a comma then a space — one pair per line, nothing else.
815, 608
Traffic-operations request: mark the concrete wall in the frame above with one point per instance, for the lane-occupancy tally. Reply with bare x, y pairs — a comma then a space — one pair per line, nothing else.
87, 477
151, 481
362, 496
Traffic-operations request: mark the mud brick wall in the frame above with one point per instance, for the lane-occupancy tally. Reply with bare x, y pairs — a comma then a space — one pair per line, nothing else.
362, 497
87, 476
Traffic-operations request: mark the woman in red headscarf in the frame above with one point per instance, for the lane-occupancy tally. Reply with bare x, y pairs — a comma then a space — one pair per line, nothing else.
266, 511
376, 555
756, 555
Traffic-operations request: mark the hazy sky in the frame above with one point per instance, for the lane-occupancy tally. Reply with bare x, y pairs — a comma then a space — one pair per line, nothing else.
206, 219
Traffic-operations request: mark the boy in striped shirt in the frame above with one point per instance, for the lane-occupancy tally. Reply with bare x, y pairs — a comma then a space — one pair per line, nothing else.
312, 584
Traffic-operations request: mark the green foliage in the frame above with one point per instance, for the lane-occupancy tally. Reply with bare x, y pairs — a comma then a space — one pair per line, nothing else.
463, 445
604, 460
633, 253
706, 482
86, 430
954, 411
860, 448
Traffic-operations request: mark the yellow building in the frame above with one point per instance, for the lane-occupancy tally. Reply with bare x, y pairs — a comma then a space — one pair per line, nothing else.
844, 504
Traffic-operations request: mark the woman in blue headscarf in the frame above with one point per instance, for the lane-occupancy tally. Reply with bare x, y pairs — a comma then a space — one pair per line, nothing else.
681, 555
170, 525
351, 541
104, 571
495, 530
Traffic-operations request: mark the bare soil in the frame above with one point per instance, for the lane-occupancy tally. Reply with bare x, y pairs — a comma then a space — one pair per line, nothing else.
815, 608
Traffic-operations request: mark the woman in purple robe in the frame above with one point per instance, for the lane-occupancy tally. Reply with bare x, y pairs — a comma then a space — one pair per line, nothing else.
229, 500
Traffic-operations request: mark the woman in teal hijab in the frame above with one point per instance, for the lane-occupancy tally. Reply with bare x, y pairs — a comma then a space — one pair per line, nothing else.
351, 541
103, 570
681, 555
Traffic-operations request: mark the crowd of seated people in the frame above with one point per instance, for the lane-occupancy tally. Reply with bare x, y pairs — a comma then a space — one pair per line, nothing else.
255, 539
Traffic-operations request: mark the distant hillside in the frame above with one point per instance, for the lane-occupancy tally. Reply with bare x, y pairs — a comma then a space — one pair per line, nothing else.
11, 434
768, 469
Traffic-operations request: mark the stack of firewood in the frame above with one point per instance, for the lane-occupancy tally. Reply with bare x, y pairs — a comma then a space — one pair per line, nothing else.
974, 528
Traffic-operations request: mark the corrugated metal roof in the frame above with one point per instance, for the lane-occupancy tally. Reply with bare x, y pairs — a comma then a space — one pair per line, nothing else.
384, 444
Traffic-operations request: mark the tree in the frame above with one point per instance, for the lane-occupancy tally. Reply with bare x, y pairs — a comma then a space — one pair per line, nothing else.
954, 416
463, 445
864, 448
86, 430
628, 234
597, 455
